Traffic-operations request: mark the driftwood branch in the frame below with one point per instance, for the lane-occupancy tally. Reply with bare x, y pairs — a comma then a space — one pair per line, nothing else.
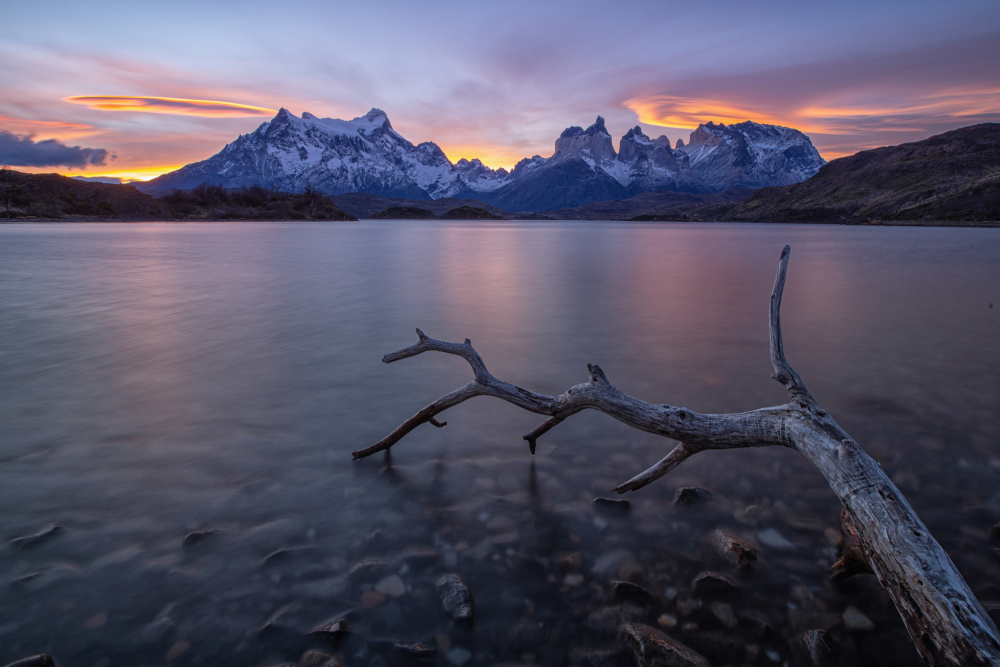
946, 622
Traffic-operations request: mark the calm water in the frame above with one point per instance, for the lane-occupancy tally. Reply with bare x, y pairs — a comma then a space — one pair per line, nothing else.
161, 379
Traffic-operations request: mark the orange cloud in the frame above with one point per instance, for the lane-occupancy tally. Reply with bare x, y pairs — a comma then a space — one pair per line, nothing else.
46, 129
688, 113
170, 105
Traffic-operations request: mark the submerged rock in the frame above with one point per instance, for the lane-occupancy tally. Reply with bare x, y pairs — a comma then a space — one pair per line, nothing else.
36, 537
629, 592
692, 495
772, 538
612, 506
315, 658
713, 583
197, 537
725, 615
814, 647
455, 597
656, 649
334, 629
458, 656
285, 554
392, 586
855, 619
418, 651
614, 563
735, 549
40, 660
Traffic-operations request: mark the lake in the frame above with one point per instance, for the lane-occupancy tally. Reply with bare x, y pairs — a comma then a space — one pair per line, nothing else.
182, 400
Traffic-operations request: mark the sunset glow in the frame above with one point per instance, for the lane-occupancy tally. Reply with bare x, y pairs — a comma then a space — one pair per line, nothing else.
497, 82
171, 105
491, 156
680, 112
46, 129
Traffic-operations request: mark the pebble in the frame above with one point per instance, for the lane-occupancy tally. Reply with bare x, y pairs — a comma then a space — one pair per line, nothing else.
724, 613
334, 629
391, 586
627, 591
709, 583
692, 495
772, 538
667, 620
654, 648
735, 549
455, 597
612, 506
855, 619
458, 656
819, 648
614, 563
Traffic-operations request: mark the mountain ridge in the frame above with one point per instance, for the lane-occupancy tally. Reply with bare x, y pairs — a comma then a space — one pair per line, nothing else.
367, 155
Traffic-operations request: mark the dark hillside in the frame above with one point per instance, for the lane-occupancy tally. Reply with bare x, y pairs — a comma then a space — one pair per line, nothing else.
953, 176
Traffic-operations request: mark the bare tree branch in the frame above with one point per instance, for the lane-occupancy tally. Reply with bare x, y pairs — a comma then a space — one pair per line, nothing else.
947, 623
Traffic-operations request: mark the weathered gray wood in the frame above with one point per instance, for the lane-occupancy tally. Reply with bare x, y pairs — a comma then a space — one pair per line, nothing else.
946, 622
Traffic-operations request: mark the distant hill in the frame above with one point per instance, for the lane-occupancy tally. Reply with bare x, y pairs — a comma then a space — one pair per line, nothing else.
54, 196
953, 176
657, 205
51, 196
363, 206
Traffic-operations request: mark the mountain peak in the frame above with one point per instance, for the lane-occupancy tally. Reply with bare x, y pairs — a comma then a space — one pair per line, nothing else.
374, 114
598, 127
308, 116
636, 134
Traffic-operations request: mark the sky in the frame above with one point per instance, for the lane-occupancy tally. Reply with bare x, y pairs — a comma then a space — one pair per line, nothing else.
136, 89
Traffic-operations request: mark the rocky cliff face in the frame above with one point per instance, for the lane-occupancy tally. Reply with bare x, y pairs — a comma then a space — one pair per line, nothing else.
750, 155
366, 155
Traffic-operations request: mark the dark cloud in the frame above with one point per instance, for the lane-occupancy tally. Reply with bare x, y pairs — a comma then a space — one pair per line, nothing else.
26, 152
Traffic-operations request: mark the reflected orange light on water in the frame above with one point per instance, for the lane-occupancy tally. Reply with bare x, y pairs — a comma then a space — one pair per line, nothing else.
488, 279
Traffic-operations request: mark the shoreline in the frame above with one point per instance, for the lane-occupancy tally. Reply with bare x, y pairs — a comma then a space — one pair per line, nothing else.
984, 224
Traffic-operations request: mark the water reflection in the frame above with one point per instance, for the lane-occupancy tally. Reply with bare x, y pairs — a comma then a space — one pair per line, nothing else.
208, 382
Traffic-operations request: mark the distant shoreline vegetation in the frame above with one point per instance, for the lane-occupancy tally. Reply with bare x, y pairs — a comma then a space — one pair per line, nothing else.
54, 197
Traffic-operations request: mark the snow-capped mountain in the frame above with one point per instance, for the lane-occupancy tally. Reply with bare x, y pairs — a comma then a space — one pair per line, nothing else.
366, 155
750, 155
335, 157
